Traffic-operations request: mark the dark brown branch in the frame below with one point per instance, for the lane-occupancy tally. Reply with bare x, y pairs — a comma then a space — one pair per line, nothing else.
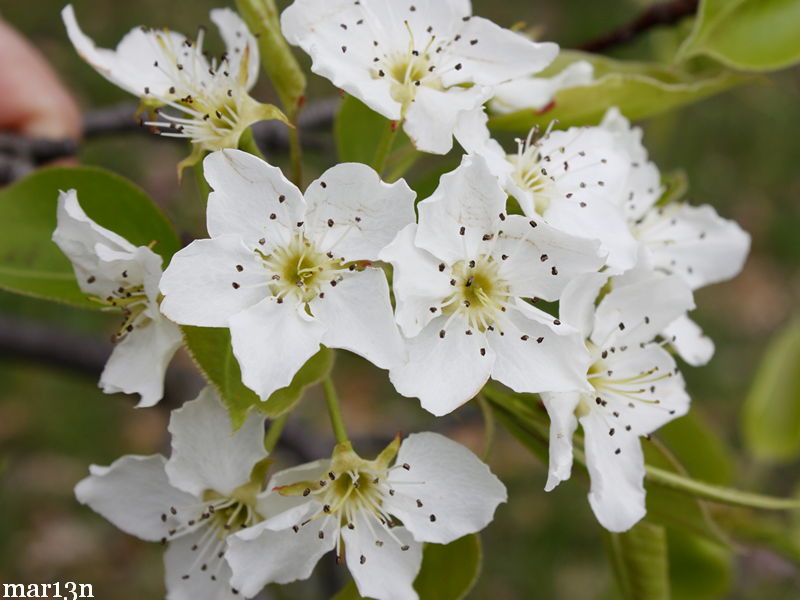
660, 13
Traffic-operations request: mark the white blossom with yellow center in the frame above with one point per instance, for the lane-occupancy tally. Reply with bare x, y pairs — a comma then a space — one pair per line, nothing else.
466, 280
376, 515
194, 501
287, 273
210, 98
120, 277
428, 62
636, 388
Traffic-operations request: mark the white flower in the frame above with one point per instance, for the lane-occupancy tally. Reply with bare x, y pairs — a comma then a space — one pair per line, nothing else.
164, 68
424, 61
287, 273
636, 388
537, 93
194, 501
462, 278
573, 179
692, 242
374, 515
121, 277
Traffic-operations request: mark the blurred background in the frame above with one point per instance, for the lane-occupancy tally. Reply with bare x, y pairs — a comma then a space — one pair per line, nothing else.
740, 150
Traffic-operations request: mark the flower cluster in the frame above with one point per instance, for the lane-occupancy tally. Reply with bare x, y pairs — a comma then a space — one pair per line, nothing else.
559, 268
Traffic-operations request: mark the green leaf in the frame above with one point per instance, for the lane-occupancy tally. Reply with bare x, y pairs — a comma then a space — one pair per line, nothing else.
211, 349
31, 264
449, 572
639, 89
771, 414
690, 555
358, 130
751, 35
640, 561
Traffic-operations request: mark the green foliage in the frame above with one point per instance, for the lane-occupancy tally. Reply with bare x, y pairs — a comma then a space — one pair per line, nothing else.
640, 560
358, 130
771, 415
638, 89
448, 571
751, 35
31, 264
211, 349
277, 59
699, 569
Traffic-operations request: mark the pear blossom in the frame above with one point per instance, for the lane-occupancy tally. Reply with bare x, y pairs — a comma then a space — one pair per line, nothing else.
693, 242
425, 62
635, 389
120, 277
462, 281
374, 514
287, 273
164, 68
572, 179
537, 92
192, 502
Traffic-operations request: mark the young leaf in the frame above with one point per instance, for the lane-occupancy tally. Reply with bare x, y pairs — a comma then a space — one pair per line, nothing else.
31, 264
358, 130
690, 555
639, 558
448, 571
750, 35
211, 349
639, 89
771, 415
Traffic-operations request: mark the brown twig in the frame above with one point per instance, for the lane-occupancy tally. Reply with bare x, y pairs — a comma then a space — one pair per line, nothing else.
660, 13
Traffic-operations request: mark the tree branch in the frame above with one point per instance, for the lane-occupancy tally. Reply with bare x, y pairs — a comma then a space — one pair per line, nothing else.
660, 13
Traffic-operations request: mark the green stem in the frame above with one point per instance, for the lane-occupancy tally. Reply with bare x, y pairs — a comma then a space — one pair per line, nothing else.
296, 153
274, 432
489, 426
248, 143
385, 146
202, 185
334, 410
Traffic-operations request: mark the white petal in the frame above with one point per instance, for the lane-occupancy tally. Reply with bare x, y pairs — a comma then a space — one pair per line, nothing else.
557, 363
457, 492
470, 199
538, 92
695, 243
472, 132
198, 285
576, 307
259, 556
139, 362
247, 193
238, 42
133, 65
689, 341
181, 560
133, 493
563, 423
382, 572
433, 116
420, 282
357, 316
272, 341
207, 455
443, 372
315, 26
491, 54
617, 479
281, 512
542, 260
637, 313
598, 220
640, 390
355, 214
